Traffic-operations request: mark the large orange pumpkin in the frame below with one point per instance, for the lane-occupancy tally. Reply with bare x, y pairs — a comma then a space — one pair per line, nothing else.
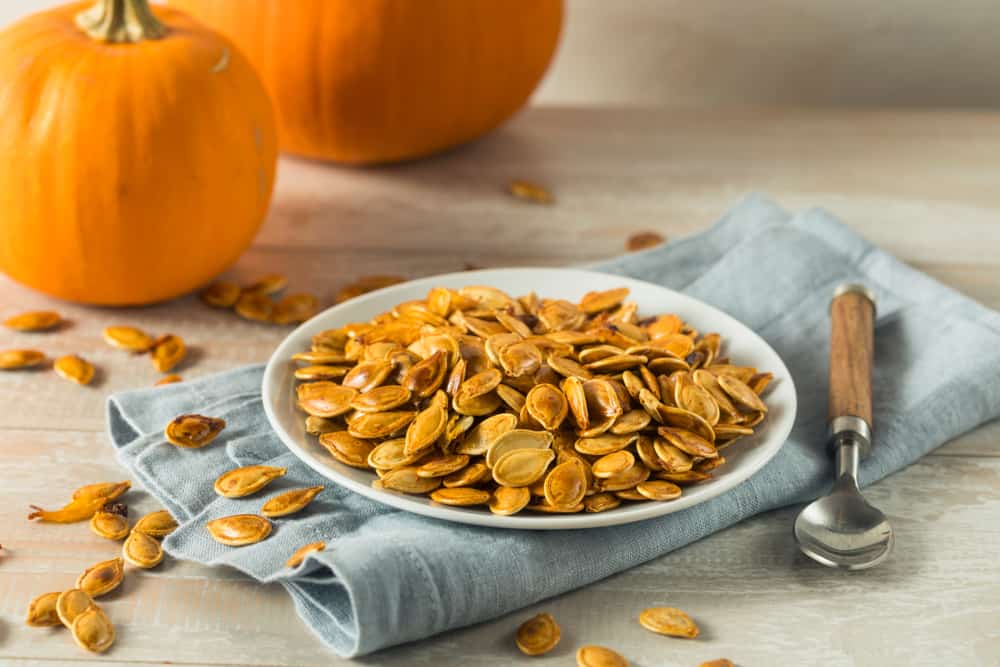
137, 152
367, 81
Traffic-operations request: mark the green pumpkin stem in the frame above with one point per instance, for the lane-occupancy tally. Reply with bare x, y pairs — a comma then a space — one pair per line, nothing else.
120, 21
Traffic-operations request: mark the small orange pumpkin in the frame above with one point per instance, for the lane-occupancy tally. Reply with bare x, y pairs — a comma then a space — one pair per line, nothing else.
137, 152
367, 81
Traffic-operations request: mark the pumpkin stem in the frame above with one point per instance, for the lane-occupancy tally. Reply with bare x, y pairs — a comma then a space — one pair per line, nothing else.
119, 21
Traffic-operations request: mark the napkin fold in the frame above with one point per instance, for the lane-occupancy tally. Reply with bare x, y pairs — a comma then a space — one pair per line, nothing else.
389, 577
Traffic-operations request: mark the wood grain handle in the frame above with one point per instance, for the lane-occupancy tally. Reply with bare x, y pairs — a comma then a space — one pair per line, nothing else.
852, 315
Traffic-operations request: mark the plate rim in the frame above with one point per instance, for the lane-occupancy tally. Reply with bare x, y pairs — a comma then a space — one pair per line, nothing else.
476, 516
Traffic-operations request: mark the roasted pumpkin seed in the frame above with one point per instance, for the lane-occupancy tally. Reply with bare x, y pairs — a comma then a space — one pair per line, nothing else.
72, 603
517, 439
601, 502
193, 431
522, 467
613, 464
92, 630
109, 525
300, 554
101, 578
74, 368
460, 496
34, 320
320, 372
295, 309
376, 425
42, 611
668, 621
156, 524
566, 484
347, 448
255, 306
643, 241
290, 502
530, 192
599, 656
11, 360
538, 635
406, 480
221, 294
239, 529
141, 550
506, 500
244, 481
167, 352
658, 490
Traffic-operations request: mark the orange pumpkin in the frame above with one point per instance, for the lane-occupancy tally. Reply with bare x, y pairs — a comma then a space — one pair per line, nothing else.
137, 152
367, 81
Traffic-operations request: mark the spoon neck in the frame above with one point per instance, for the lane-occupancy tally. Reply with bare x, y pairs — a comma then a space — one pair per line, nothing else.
848, 455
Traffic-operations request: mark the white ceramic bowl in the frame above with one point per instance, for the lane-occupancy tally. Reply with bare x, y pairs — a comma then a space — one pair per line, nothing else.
740, 343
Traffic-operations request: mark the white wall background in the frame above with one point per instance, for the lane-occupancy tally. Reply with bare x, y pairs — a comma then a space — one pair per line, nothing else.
924, 53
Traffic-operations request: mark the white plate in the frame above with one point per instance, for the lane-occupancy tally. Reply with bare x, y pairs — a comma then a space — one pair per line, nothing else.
744, 346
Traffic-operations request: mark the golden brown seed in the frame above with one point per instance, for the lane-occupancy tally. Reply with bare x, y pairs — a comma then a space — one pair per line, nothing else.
255, 306
484, 434
684, 478
290, 502
221, 294
613, 464
321, 358
239, 529
460, 496
295, 309
643, 241
566, 484
599, 656
109, 525
300, 554
156, 524
367, 375
193, 431
71, 604
470, 475
425, 429
538, 635
741, 393
658, 490
531, 192
347, 448
626, 479
508, 500
42, 611
479, 384
522, 467
688, 442
670, 457
406, 480
167, 352
519, 359
668, 621
272, 283
92, 630
380, 424
324, 399
443, 465
320, 372
632, 421
16, 359
600, 502
547, 405
34, 320
594, 302
141, 550
380, 399
604, 444
630, 494
366, 284
518, 438
243, 481
168, 379
75, 369
101, 578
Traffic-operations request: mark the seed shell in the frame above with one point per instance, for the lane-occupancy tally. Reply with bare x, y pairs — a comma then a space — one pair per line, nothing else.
599, 656
193, 431
167, 352
300, 554
239, 529
42, 611
74, 368
34, 320
244, 481
72, 603
538, 635
156, 524
290, 502
17, 359
109, 525
668, 621
141, 550
101, 578
92, 630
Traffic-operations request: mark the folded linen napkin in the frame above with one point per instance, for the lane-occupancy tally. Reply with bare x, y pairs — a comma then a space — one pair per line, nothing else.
389, 577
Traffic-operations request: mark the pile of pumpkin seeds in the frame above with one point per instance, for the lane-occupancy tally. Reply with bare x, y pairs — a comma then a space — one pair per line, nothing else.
76, 608
477, 398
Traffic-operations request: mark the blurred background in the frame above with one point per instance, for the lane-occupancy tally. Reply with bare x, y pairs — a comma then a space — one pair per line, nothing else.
921, 53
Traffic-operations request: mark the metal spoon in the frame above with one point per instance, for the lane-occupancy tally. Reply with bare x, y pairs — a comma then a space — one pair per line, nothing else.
843, 529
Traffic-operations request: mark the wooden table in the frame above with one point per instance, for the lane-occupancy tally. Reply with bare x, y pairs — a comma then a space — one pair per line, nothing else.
922, 185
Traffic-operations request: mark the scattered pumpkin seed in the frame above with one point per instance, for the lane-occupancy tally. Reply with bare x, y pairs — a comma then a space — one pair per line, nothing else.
167, 352
92, 630
290, 502
109, 525
599, 656
75, 369
538, 635
42, 611
668, 621
128, 338
255, 306
11, 360
193, 431
101, 578
221, 294
643, 240
244, 481
300, 554
72, 603
295, 309
462, 496
34, 320
239, 529
156, 524
531, 192
142, 550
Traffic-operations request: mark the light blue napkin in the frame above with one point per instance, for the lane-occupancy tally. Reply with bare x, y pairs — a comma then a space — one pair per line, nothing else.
389, 577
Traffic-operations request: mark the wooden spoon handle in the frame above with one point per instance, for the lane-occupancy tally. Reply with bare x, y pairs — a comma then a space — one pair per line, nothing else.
852, 314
